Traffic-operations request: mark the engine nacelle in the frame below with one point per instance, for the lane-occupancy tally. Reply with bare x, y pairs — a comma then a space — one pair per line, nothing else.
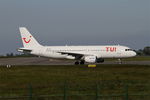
70, 57
90, 59
93, 59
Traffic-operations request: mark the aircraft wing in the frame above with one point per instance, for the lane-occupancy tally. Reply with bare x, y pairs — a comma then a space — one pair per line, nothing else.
76, 55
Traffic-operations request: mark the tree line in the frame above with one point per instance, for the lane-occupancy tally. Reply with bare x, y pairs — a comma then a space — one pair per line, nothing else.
16, 55
145, 51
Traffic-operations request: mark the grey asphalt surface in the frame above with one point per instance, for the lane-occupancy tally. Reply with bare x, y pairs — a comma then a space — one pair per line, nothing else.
46, 61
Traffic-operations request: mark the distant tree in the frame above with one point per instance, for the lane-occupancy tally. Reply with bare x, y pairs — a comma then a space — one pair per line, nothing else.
146, 50
7, 55
24, 55
1, 55
139, 52
11, 54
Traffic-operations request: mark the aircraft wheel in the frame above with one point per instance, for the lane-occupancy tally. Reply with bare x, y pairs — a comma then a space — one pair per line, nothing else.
82, 62
76, 63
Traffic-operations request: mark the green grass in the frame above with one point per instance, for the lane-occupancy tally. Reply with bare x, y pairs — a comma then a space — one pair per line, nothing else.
46, 80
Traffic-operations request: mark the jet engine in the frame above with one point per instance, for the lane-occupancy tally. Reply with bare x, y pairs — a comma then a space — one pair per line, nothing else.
93, 59
70, 57
90, 59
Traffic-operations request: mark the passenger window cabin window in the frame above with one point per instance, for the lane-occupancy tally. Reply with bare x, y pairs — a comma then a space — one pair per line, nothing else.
128, 50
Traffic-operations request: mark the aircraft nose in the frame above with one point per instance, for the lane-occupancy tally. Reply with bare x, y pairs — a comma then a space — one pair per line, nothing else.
133, 53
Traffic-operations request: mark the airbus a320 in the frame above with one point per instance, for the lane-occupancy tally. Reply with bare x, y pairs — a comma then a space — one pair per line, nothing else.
81, 54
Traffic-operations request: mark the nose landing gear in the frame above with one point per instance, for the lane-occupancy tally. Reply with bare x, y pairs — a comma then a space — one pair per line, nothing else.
119, 61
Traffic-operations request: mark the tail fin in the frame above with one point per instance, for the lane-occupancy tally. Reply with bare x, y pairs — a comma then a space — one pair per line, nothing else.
28, 40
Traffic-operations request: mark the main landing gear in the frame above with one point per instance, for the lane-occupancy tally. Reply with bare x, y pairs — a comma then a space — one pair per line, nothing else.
82, 62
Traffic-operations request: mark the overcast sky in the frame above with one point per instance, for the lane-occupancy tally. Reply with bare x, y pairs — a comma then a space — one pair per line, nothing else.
75, 22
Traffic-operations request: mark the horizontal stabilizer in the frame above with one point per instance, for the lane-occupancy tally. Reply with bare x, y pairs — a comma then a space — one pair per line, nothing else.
24, 50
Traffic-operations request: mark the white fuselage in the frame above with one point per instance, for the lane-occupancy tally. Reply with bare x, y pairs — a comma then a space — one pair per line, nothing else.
90, 54
107, 51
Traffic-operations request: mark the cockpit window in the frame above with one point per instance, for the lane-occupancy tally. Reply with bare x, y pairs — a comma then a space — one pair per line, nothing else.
128, 50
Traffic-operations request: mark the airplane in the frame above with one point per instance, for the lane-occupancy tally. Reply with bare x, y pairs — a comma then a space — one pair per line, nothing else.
81, 54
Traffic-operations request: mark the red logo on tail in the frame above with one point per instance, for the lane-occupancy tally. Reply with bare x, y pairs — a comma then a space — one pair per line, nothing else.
24, 39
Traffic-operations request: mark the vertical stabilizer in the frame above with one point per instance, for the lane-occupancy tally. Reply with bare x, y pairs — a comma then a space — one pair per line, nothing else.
28, 40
